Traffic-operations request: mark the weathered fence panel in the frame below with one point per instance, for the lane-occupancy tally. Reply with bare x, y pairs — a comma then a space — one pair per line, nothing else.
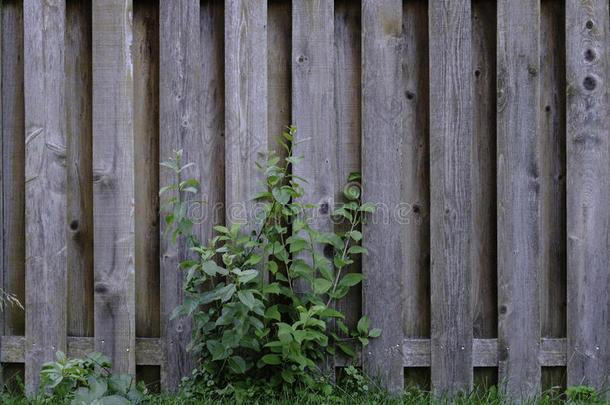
479, 127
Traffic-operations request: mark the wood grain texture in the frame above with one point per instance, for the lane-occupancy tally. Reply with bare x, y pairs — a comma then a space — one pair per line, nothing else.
451, 116
80, 187
13, 162
383, 101
179, 76
245, 105
518, 195
113, 183
415, 192
483, 170
588, 193
212, 85
483, 177
279, 57
552, 179
45, 184
347, 100
313, 112
146, 160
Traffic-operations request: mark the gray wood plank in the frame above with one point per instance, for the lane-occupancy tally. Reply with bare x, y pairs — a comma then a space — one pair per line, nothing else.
518, 195
245, 105
79, 186
45, 184
179, 75
113, 183
483, 177
146, 150
313, 111
415, 193
383, 100
588, 193
552, 180
13, 163
2, 181
451, 116
348, 123
279, 41
483, 170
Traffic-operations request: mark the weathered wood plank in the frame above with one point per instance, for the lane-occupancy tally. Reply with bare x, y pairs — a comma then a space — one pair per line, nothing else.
146, 151
483, 178
279, 40
518, 196
79, 186
113, 183
415, 193
13, 162
179, 76
451, 116
45, 184
347, 78
313, 110
483, 170
2, 181
588, 192
552, 179
384, 235
212, 164
149, 351
245, 105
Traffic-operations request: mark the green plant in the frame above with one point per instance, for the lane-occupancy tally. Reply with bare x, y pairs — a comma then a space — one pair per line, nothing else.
583, 394
7, 299
250, 321
89, 381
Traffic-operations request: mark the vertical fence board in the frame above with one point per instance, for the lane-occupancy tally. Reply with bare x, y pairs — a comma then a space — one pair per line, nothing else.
279, 41
113, 183
483, 177
245, 105
146, 152
313, 110
518, 87
80, 202
552, 180
347, 76
588, 193
13, 152
451, 117
179, 129
483, 245
382, 130
415, 193
45, 185
212, 165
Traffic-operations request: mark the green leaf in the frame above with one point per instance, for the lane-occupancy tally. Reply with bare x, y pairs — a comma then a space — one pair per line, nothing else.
271, 359
288, 376
281, 195
252, 260
237, 364
375, 333
355, 235
363, 325
165, 189
343, 327
247, 298
350, 280
363, 340
354, 250
332, 313
273, 288
222, 229
332, 238
343, 213
346, 349
368, 207
273, 313
247, 275
261, 195
351, 192
354, 176
225, 293
296, 244
321, 285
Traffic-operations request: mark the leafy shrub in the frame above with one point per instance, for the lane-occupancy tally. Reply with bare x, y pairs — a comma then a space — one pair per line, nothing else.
252, 322
88, 381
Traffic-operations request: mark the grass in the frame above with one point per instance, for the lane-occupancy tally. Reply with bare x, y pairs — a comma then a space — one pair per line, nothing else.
490, 396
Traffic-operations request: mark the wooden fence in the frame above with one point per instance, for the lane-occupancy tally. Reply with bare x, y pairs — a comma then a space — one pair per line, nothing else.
481, 128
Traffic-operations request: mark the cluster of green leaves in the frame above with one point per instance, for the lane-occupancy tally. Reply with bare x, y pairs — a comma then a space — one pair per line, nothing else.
262, 301
89, 381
